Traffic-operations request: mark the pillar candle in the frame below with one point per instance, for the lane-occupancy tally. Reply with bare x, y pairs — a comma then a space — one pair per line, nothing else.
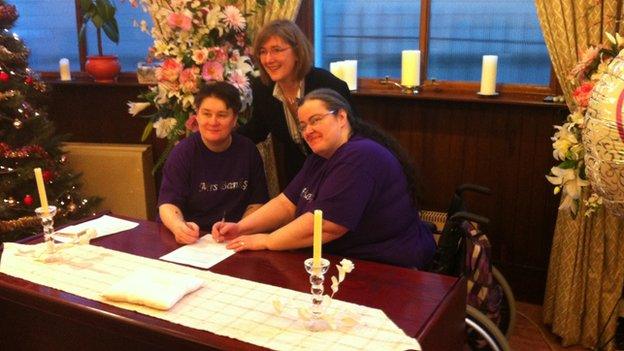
410, 68
350, 73
64, 69
318, 238
488, 75
336, 68
41, 188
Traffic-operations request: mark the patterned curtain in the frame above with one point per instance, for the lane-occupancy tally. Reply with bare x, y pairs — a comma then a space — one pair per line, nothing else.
586, 274
274, 9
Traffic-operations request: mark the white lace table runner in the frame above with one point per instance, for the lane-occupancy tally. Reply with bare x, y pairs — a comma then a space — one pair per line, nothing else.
226, 306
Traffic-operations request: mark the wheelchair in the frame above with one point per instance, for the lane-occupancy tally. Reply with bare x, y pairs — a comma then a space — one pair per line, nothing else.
464, 250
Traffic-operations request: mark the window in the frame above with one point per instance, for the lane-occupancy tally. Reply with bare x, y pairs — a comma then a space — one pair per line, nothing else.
460, 32
48, 29
44, 33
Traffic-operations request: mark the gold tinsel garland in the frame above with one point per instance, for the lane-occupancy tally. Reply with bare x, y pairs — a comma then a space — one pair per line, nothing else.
17, 224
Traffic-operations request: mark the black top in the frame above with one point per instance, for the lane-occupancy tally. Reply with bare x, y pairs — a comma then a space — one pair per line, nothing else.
268, 116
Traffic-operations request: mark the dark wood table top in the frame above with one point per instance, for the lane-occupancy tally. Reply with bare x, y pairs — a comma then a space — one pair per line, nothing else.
416, 301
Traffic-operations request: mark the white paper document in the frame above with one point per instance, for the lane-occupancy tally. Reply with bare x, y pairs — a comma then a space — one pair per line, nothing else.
105, 225
205, 253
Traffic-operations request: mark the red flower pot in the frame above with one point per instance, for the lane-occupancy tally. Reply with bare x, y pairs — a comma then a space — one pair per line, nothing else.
103, 69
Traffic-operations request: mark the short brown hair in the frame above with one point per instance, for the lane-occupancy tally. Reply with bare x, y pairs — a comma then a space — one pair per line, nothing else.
289, 32
223, 91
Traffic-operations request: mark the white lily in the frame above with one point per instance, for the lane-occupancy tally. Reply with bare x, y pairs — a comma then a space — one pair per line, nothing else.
134, 108
164, 126
611, 38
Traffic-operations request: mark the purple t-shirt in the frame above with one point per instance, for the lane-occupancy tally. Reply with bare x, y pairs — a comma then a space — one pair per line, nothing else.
363, 188
205, 185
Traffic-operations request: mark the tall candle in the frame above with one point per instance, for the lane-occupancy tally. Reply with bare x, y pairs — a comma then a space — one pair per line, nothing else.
488, 75
41, 188
64, 69
410, 68
350, 73
336, 68
318, 238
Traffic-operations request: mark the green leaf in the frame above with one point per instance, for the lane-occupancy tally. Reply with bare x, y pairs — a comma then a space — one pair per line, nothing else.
567, 164
147, 131
85, 5
97, 21
111, 32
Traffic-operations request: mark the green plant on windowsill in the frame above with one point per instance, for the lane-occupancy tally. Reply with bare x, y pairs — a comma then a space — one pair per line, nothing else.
101, 13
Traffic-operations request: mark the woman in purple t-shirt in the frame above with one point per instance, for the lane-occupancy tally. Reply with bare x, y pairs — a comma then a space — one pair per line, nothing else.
359, 177
213, 174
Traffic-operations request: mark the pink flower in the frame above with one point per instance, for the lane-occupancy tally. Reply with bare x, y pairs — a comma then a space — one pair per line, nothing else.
169, 71
212, 70
233, 18
191, 123
239, 80
200, 55
217, 54
241, 39
587, 58
179, 20
581, 94
188, 80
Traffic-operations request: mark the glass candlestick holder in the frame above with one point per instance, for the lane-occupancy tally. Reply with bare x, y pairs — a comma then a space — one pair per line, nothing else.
317, 277
47, 221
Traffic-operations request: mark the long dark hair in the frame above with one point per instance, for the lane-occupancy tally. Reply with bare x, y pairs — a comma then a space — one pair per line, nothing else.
334, 102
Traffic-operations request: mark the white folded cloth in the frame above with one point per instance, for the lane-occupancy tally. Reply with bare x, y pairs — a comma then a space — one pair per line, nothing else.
149, 287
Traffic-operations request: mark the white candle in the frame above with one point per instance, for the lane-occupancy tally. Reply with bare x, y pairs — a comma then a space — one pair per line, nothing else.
318, 239
410, 68
41, 188
64, 69
336, 68
488, 75
350, 74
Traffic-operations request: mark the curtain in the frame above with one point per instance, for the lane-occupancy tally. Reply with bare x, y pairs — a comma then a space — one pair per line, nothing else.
585, 274
274, 9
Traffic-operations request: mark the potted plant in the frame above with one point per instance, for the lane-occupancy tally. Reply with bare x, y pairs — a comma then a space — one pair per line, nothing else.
103, 68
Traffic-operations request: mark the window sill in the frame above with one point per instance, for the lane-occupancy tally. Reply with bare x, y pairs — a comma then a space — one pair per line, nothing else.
460, 92
431, 91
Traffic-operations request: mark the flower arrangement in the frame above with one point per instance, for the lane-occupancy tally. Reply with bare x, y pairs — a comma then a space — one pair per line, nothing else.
569, 175
197, 41
335, 321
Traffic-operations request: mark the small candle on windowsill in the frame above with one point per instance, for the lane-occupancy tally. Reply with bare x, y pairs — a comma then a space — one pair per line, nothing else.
318, 239
488, 75
42, 192
64, 70
350, 73
410, 68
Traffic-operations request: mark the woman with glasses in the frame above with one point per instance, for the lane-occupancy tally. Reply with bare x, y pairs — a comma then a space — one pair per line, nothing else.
362, 181
213, 174
284, 56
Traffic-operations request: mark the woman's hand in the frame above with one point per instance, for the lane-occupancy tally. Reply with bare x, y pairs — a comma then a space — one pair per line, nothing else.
185, 232
225, 231
249, 242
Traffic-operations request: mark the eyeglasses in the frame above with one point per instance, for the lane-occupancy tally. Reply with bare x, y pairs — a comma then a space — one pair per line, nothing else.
314, 120
274, 50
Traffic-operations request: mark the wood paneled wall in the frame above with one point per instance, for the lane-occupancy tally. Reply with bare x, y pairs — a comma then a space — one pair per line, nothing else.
504, 146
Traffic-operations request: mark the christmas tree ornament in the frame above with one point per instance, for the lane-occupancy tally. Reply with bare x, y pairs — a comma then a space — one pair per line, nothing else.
17, 123
4, 77
28, 80
63, 159
10, 201
28, 200
71, 207
47, 175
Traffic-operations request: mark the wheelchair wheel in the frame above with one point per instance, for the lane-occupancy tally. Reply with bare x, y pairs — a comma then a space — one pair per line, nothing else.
482, 333
508, 304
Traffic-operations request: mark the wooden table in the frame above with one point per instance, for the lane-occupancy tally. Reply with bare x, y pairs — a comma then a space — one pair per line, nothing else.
427, 306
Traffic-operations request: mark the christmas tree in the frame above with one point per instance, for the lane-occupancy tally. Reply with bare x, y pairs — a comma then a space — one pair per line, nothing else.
27, 141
